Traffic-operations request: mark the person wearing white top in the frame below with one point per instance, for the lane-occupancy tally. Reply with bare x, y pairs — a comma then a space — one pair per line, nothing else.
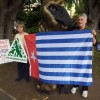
23, 68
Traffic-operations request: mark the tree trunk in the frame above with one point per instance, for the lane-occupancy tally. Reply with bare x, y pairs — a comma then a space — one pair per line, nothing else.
92, 8
8, 11
2, 18
2, 26
10, 24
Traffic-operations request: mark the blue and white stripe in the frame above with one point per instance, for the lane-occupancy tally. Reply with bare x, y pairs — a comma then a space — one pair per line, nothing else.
65, 57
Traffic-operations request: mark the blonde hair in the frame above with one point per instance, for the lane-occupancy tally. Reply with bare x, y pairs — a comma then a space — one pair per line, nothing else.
21, 23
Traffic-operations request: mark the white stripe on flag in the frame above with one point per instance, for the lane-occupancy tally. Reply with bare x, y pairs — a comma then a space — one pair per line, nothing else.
65, 61
51, 45
65, 36
71, 70
65, 53
55, 78
64, 45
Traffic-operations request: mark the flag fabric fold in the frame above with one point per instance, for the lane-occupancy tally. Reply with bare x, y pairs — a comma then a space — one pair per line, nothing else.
62, 57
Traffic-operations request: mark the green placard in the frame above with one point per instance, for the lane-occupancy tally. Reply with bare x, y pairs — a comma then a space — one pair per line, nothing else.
17, 52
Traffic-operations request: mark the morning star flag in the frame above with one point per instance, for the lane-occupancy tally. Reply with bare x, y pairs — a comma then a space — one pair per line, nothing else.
61, 57
31, 48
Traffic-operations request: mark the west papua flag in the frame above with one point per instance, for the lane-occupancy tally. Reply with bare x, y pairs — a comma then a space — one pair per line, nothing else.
61, 57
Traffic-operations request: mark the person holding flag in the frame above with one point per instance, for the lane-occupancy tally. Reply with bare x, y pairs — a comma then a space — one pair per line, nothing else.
81, 25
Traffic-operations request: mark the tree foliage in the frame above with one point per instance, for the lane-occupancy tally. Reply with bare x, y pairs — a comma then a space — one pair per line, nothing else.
8, 11
30, 17
90, 7
10, 8
79, 5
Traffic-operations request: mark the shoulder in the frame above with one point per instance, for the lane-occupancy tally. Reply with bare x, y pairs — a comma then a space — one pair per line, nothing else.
17, 35
26, 33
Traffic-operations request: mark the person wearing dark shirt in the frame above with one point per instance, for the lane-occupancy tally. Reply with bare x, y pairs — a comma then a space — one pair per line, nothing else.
81, 25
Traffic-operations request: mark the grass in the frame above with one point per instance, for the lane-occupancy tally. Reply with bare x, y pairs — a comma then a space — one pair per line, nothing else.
96, 63
96, 60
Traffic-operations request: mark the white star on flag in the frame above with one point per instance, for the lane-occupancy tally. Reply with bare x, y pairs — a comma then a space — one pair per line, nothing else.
33, 56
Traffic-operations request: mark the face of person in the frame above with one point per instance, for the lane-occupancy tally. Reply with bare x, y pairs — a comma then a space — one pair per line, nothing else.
81, 22
20, 29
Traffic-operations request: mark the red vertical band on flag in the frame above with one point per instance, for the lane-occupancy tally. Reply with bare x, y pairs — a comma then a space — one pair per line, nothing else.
32, 55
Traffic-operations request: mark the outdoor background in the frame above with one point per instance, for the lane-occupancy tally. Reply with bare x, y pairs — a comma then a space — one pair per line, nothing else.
28, 11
